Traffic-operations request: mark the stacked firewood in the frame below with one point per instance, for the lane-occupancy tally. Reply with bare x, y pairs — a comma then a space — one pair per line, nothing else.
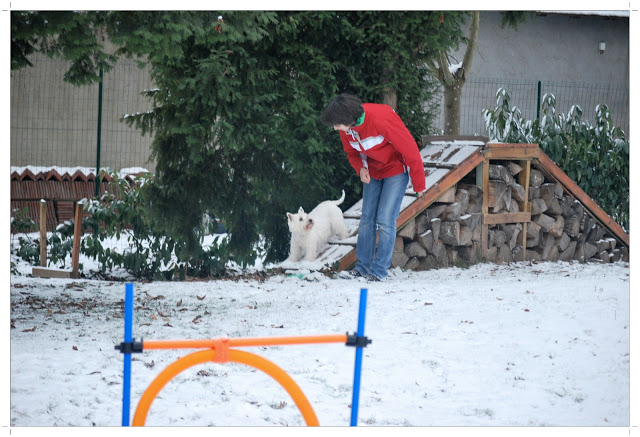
449, 231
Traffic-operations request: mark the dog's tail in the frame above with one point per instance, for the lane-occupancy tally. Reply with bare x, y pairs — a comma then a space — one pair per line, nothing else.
340, 200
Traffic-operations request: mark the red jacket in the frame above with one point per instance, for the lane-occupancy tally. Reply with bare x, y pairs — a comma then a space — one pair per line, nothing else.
384, 145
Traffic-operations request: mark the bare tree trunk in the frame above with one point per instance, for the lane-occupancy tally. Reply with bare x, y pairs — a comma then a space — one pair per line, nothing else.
391, 98
453, 82
452, 96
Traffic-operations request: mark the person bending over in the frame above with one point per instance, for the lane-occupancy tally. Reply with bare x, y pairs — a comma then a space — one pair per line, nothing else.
383, 152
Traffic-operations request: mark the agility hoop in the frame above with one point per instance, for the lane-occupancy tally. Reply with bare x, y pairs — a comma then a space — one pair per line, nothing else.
219, 351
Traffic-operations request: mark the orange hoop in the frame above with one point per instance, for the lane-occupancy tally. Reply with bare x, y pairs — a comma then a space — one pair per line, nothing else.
237, 356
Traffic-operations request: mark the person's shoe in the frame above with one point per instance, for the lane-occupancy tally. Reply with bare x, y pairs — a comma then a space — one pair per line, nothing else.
373, 278
355, 273
350, 274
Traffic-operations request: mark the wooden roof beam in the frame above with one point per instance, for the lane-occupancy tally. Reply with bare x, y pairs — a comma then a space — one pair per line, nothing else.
581, 196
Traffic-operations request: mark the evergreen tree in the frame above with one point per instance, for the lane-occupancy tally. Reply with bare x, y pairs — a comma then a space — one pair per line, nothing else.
72, 36
387, 63
236, 106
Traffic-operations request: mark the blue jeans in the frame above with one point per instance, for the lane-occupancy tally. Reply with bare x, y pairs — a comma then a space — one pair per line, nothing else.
380, 209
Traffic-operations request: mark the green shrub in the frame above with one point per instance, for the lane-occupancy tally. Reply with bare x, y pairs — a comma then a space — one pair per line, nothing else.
149, 253
21, 223
595, 156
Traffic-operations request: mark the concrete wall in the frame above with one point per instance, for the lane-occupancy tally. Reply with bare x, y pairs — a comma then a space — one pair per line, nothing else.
553, 47
561, 51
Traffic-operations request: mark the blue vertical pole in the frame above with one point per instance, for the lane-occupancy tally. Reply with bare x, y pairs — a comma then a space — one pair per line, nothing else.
128, 338
358, 367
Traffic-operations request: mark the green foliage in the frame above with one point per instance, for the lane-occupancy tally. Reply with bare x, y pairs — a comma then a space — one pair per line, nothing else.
123, 215
389, 53
595, 156
150, 254
70, 35
514, 18
235, 120
29, 250
21, 222
236, 106
60, 244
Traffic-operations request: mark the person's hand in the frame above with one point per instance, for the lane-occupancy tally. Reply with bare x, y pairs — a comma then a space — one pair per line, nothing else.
420, 194
364, 175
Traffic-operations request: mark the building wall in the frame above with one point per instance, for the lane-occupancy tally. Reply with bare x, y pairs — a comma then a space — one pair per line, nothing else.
559, 50
553, 47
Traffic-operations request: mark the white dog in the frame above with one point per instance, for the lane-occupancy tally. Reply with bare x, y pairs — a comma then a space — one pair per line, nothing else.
310, 232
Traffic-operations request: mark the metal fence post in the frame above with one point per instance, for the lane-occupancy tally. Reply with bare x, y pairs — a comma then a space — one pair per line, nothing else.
538, 106
99, 133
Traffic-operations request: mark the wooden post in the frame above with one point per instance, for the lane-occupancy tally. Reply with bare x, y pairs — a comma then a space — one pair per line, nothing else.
43, 233
480, 175
526, 207
587, 202
44, 271
484, 239
77, 233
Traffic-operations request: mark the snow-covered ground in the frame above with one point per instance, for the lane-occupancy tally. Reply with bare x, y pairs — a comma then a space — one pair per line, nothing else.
527, 345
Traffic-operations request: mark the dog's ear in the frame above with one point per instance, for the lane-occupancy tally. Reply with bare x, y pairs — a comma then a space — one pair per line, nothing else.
290, 216
301, 211
309, 225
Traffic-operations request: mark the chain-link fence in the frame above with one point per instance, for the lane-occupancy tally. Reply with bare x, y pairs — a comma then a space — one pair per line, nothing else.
480, 93
55, 124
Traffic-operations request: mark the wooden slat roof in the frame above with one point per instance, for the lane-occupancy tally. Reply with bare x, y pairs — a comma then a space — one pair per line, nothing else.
445, 162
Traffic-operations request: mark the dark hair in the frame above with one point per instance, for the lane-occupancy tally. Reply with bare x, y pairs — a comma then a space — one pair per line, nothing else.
344, 109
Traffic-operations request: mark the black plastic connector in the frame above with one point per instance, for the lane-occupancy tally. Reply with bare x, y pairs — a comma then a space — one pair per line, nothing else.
128, 348
354, 340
